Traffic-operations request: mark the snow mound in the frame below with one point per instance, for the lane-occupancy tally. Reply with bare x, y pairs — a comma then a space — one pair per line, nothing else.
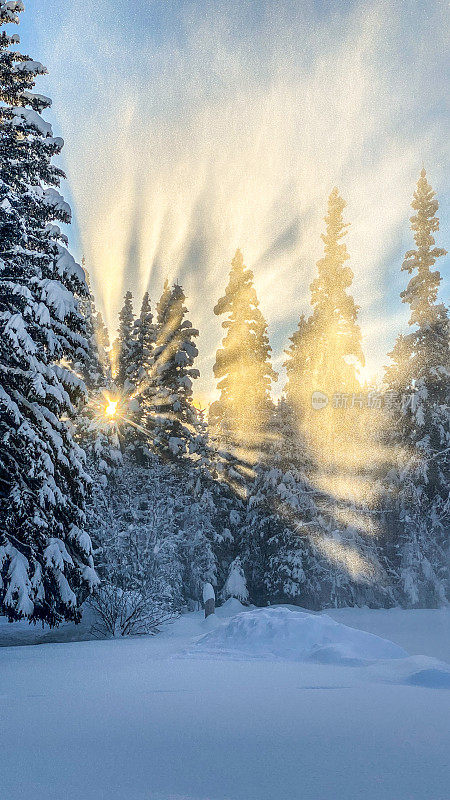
421, 671
230, 608
283, 634
433, 678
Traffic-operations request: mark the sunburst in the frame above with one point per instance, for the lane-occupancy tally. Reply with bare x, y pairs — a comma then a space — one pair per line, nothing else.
111, 409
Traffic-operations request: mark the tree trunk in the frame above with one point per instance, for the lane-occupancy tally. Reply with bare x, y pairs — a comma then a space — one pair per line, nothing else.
210, 606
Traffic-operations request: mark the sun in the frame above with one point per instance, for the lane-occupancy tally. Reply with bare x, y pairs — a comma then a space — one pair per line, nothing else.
111, 408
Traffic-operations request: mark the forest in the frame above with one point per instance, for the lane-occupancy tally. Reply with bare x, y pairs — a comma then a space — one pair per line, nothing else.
119, 492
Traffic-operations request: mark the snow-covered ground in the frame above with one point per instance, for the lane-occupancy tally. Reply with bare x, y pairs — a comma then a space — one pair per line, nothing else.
269, 705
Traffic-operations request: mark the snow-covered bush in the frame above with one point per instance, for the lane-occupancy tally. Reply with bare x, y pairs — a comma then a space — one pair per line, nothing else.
235, 584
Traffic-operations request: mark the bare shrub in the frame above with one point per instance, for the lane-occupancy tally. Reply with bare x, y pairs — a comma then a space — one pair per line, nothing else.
126, 612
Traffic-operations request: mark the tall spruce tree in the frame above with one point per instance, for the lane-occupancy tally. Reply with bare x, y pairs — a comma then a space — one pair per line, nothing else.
335, 336
145, 332
326, 352
93, 368
124, 347
323, 456
419, 430
102, 337
423, 353
166, 401
45, 555
140, 372
242, 366
298, 355
96, 434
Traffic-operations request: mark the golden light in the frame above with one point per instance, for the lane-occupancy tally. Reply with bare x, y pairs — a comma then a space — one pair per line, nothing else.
111, 408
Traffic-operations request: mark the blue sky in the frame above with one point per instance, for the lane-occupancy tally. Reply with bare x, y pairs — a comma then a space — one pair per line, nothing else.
192, 128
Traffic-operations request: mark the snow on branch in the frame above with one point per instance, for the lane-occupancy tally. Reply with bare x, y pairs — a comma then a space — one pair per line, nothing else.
17, 332
55, 200
10, 10
33, 119
36, 99
68, 267
18, 594
60, 299
30, 66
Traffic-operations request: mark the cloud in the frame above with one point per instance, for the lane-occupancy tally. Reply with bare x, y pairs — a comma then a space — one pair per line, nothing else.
221, 132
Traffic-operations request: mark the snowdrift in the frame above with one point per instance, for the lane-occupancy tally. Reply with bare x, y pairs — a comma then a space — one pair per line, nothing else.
423, 671
283, 634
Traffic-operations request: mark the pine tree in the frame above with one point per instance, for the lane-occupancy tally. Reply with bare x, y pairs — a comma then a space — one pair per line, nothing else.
197, 538
93, 364
292, 413
45, 555
102, 338
97, 435
288, 444
322, 451
235, 584
324, 357
242, 366
156, 528
135, 530
140, 378
335, 336
145, 333
166, 402
419, 429
125, 349
297, 362
422, 355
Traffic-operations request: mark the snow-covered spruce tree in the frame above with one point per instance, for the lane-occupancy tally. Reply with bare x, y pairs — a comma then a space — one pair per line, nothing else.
145, 333
125, 349
335, 336
102, 338
97, 435
314, 546
141, 377
45, 555
235, 584
124, 357
298, 361
199, 537
296, 548
288, 447
156, 528
242, 366
419, 427
326, 351
93, 366
166, 403
272, 551
292, 412
135, 533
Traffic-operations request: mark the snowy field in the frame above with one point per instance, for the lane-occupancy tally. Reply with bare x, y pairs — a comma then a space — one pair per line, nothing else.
269, 705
